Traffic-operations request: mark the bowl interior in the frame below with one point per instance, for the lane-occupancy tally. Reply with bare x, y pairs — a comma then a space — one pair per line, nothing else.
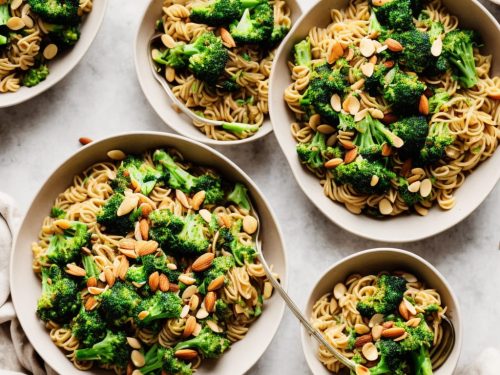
26, 289
404, 228
64, 63
159, 100
374, 261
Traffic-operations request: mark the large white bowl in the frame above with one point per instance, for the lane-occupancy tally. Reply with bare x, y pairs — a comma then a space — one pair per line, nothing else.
155, 93
64, 63
404, 228
372, 262
26, 288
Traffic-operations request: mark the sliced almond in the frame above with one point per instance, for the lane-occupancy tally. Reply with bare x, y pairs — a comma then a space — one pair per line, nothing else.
206, 215
361, 329
210, 300
164, 283
370, 351
116, 155
95, 291
414, 187
358, 84
367, 47
226, 220
189, 291
249, 224
339, 290
403, 311
184, 311
335, 52
122, 269
362, 340
348, 145
409, 306
392, 333
332, 139
350, 156
182, 198
437, 47
127, 243
186, 354
134, 343
128, 253
227, 38
381, 48
62, 224
374, 181
189, 327
14, 4
386, 150
146, 209
214, 326
423, 105
91, 281
388, 324
168, 41
377, 332
409, 277
268, 290
385, 207
360, 115
425, 188
198, 200
333, 163
90, 304
393, 45
414, 322
336, 103
144, 228
194, 302
314, 121
402, 337
170, 74
171, 266
389, 64
379, 3
201, 314
373, 60
368, 69
154, 281
146, 247
216, 283
142, 315
128, 205
110, 276
376, 113
326, 129
360, 369
203, 262
351, 105
73, 269
186, 280
376, 319
137, 358
16, 23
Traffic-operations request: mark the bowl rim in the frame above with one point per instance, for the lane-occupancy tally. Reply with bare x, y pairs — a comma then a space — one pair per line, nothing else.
299, 174
201, 137
304, 335
167, 137
24, 94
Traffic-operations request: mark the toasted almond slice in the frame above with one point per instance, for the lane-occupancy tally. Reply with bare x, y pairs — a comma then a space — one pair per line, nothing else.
392, 333
423, 105
367, 47
368, 69
90, 304
16, 23
377, 113
128, 253
14, 4
227, 38
268, 290
210, 300
201, 314
348, 145
127, 243
360, 369
187, 280
171, 266
397, 142
164, 283
203, 262
339, 290
409, 277
144, 229
386, 149
374, 181
116, 155
91, 281
336, 103
350, 156
186, 354
216, 283
403, 310
122, 269
189, 326
413, 322
373, 60
370, 351
360, 115
314, 121
62, 224
334, 52
362, 340
414, 187
326, 129
385, 207
358, 84
198, 200
109, 276
133, 343
182, 198
184, 311
351, 105
146, 247
361, 329
214, 326
168, 41
194, 302
137, 358
333, 163
189, 291
170, 74
73, 269
425, 188
146, 209
376, 319
154, 280
402, 337
377, 332
128, 205
142, 315
206, 215
95, 291
393, 45
382, 49
437, 47
249, 224
411, 309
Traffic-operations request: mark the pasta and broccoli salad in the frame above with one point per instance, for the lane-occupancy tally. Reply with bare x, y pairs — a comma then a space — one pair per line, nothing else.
148, 263
32, 33
217, 56
394, 104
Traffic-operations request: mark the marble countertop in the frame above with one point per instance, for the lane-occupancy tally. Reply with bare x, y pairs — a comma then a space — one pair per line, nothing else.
101, 97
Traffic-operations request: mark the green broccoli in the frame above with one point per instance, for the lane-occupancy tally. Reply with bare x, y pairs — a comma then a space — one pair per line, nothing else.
416, 54
435, 30
62, 35
165, 226
302, 53
118, 303
158, 262
35, 75
90, 266
438, 100
239, 128
220, 266
191, 239
159, 358
112, 350
88, 327
436, 142
160, 305
115, 224
375, 83
395, 15
228, 240
346, 122
220, 12
408, 197
133, 172
4, 13
208, 343
60, 300
278, 34
57, 213
372, 135
390, 290
223, 311
458, 48
376, 27
64, 248
403, 91
310, 153
239, 195
63, 12
413, 131
255, 26
206, 57
183, 180
391, 358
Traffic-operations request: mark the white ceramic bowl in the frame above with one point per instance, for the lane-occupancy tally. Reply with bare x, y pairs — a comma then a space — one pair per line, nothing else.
155, 93
404, 228
64, 63
374, 261
26, 288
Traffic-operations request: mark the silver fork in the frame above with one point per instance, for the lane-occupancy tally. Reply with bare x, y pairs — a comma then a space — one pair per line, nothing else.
229, 126
438, 355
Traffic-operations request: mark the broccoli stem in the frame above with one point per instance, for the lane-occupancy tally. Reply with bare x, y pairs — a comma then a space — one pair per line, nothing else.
467, 67
303, 53
4, 13
238, 127
90, 266
422, 361
249, 3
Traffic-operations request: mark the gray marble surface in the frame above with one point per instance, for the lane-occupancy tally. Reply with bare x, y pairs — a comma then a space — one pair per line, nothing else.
101, 97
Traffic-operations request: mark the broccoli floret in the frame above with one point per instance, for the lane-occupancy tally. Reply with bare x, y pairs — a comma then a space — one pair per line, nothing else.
403, 91
278, 34
158, 262
133, 172
228, 240
311, 153
165, 226
230, 84
60, 300
372, 135
302, 53
346, 122
243, 253
118, 303
183, 180
222, 310
160, 305
375, 83
35, 75
158, 358
408, 197
219, 12
112, 350
438, 100
435, 30
376, 27
115, 224
255, 26
437, 65
57, 213
458, 47
359, 175
396, 15
88, 327
220, 266
64, 12
391, 358
438, 139
333, 153
413, 131
390, 290
433, 308
191, 240
416, 54
65, 248
208, 343
206, 57
239, 195
63, 36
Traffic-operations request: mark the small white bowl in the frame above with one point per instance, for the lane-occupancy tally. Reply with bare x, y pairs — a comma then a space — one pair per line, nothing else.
404, 228
372, 262
26, 288
157, 97
63, 64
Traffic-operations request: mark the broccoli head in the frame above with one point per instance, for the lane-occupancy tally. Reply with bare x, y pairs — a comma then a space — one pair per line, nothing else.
438, 100
391, 358
278, 34
311, 153
60, 300
108, 216
35, 75
57, 213
302, 53
159, 358
165, 226
191, 240
134, 173
63, 12
62, 35
208, 343
395, 15
436, 142
118, 303
255, 26
239, 195
88, 327
374, 84
390, 290
220, 266
408, 197
112, 350
416, 54
216, 12
413, 131
458, 48
64, 248
403, 91
160, 305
